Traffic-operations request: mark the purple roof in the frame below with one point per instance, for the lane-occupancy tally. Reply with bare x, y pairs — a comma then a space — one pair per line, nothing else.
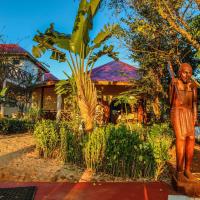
50, 77
11, 48
15, 49
114, 71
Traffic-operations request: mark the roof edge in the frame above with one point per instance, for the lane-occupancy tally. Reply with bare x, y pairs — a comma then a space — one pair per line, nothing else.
26, 54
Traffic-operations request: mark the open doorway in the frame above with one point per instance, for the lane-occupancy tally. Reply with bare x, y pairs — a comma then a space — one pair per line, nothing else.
118, 111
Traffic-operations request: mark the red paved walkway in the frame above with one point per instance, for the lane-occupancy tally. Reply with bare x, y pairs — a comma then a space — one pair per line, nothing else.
100, 191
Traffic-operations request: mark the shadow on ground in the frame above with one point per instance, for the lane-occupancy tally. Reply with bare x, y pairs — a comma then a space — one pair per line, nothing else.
5, 159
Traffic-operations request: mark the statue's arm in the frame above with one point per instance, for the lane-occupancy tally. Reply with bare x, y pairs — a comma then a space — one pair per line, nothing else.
195, 103
171, 91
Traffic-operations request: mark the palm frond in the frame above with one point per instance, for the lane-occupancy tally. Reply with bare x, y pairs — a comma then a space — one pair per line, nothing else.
104, 35
107, 50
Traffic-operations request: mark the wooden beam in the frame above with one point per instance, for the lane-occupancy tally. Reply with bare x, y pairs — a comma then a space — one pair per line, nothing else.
111, 83
42, 98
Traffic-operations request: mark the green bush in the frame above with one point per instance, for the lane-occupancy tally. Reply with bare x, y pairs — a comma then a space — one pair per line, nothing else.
47, 137
121, 151
33, 114
125, 152
95, 149
71, 145
137, 152
160, 139
12, 126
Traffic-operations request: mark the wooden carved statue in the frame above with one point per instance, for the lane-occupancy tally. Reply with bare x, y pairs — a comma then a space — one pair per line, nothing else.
183, 101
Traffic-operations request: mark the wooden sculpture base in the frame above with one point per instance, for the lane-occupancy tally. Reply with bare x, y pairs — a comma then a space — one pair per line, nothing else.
189, 188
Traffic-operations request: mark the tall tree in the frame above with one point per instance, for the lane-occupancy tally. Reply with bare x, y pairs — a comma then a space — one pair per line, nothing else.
156, 32
81, 54
177, 14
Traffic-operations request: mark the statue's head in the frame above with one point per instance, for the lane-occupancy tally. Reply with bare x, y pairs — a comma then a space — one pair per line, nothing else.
185, 72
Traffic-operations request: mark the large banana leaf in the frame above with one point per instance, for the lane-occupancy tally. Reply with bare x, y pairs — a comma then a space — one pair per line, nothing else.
83, 24
49, 41
94, 4
83, 7
77, 34
105, 34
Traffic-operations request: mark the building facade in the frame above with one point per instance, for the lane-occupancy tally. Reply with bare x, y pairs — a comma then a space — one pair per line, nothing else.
20, 71
111, 80
32, 85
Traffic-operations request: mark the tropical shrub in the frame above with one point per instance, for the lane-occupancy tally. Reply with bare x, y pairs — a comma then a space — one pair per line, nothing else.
160, 139
47, 137
12, 126
94, 149
136, 151
33, 114
71, 145
127, 154
120, 150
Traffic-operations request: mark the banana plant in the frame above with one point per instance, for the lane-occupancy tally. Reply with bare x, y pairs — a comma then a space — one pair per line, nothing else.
80, 53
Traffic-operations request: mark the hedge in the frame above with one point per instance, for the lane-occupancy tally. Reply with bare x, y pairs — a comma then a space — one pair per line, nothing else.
12, 126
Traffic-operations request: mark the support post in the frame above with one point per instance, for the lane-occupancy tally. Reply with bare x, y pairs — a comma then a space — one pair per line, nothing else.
2, 104
42, 98
59, 106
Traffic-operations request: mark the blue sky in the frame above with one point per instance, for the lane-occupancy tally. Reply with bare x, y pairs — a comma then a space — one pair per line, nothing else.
20, 19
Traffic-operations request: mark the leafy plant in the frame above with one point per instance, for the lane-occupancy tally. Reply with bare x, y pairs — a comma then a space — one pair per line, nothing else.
47, 138
121, 152
33, 114
81, 54
160, 140
94, 149
71, 145
13, 126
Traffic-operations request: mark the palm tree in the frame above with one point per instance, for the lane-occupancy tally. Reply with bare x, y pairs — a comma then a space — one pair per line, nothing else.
81, 54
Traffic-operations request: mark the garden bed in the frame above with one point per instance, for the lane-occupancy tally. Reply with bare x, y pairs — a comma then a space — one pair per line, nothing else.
20, 162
